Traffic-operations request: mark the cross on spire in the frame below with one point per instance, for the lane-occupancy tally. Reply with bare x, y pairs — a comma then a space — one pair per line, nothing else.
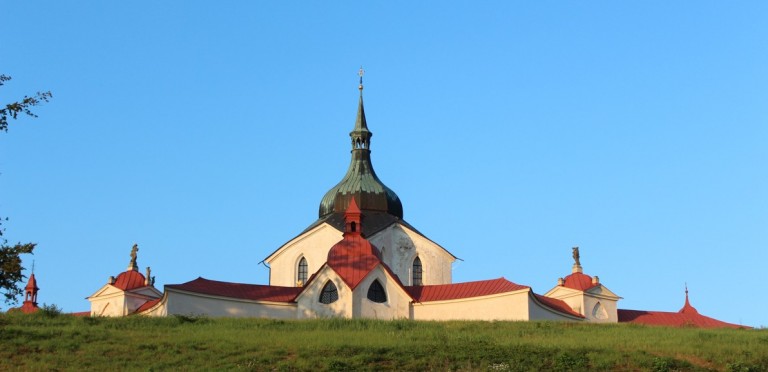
361, 73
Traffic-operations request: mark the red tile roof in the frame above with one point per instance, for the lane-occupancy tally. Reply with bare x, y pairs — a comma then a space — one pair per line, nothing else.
147, 305
688, 316
455, 291
556, 304
579, 281
670, 319
130, 279
29, 307
353, 258
81, 313
32, 283
253, 292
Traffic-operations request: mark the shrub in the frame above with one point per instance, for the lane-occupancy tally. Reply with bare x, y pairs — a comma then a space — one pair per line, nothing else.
50, 311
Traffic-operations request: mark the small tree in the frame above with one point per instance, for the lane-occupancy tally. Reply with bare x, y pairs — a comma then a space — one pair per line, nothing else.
10, 267
10, 260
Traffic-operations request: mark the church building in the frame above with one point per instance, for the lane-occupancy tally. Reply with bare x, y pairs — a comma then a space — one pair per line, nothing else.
361, 259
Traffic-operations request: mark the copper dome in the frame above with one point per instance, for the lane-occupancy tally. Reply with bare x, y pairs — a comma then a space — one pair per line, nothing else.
361, 182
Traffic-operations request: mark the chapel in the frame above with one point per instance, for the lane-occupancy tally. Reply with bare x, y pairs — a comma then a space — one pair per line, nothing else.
361, 259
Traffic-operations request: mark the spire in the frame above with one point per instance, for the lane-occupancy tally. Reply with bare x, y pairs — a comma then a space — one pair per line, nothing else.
31, 287
361, 136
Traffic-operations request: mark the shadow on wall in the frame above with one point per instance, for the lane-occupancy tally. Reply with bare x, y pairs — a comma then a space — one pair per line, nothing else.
399, 253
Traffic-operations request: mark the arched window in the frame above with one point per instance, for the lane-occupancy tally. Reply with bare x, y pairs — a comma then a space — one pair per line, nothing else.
416, 272
329, 294
376, 292
301, 273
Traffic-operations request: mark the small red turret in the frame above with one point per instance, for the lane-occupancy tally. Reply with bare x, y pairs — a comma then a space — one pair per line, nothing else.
30, 296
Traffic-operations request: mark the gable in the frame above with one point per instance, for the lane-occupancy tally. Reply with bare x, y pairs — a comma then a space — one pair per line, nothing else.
388, 300
399, 245
602, 292
562, 292
373, 224
597, 291
146, 291
318, 280
322, 231
387, 279
313, 246
392, 236
106, 291
308, 301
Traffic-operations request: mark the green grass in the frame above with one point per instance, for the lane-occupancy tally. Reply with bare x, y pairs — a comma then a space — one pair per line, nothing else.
62, 342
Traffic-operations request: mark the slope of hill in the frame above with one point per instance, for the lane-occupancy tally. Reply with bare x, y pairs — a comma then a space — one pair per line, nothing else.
48, 341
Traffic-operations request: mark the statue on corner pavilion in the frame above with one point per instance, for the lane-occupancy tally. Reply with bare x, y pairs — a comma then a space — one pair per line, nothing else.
133, 264
576, 256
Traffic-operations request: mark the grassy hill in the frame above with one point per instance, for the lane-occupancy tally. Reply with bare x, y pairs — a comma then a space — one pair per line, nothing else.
48, 341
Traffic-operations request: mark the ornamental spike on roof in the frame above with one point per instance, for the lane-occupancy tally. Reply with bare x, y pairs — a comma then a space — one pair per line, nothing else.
361, 132
687, 308
360, 181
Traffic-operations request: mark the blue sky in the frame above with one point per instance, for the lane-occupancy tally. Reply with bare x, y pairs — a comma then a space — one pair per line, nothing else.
512, 131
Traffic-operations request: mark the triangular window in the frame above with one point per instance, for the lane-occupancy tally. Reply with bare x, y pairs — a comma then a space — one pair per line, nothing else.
329, 294
598, 312
376, 292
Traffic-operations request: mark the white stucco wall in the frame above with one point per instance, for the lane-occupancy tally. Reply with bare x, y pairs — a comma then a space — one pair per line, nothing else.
160, 309
397, 305
506, 306
108, 302
574, 298
539, 311
308, 301
187, 303
401, 245
112, 301
312, 245
607, 300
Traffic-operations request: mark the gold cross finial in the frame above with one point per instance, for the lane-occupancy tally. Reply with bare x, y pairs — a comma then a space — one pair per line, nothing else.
361, 73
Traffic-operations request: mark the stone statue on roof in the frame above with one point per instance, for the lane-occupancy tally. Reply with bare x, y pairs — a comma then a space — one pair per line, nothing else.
133, 264
576, 256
